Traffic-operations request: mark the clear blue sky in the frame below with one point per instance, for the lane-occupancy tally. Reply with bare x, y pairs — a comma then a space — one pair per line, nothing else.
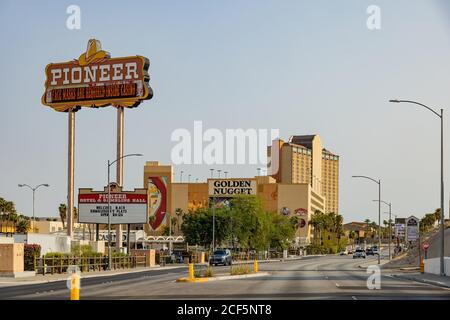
302, 66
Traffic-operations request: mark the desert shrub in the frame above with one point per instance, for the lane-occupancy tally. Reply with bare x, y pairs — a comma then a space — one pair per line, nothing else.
84, 251
30, 251
197, 273
240, 269
209, 272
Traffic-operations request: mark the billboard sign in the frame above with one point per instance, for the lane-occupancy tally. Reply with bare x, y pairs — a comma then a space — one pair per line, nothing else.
400, 230
97, 80
412, 228
126, 206
231, 187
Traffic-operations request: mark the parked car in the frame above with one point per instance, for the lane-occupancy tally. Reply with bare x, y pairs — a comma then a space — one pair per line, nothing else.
221, 257
375, 250
343, 253
369, 252
177, 256
359, 253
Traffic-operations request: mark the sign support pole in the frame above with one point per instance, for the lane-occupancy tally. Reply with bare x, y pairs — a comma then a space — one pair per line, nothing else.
119, 166
70, 171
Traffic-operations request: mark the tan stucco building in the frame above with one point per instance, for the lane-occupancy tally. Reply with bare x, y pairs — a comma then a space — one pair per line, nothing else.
304, 160
166, 198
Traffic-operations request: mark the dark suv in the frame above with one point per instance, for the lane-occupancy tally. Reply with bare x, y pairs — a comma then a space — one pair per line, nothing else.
221, 257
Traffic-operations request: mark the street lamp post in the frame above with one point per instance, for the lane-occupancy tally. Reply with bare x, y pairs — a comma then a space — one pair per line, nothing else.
390, 227
379, 212
34, 190
109, 205
441, 116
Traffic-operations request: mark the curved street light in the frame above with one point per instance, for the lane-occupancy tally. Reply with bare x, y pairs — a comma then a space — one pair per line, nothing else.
109, 204
441, 116
34, 190
379, 212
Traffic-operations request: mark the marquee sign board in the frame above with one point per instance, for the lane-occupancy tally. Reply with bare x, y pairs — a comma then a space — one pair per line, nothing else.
126, 206
231, 187
96, 80
412, 228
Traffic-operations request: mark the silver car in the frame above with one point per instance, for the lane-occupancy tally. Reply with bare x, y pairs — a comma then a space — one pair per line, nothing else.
359, 253
221, 257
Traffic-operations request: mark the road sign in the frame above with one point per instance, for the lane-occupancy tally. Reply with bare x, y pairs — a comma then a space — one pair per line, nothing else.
400, 230
412, 228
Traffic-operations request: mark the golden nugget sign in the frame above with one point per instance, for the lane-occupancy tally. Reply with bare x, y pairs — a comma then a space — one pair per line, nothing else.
231, 187
96, 80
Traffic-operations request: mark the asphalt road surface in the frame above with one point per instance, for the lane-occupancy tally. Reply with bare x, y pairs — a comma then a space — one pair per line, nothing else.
329, 277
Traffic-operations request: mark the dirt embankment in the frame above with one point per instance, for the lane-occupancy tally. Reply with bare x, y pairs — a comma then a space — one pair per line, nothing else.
411, 257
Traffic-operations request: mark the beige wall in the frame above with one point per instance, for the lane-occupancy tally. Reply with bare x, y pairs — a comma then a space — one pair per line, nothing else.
180, 198
47, 226
11, 258
295, 196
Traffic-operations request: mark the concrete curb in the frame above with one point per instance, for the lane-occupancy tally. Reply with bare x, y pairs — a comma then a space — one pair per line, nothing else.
431, 282
240, 276
220, 278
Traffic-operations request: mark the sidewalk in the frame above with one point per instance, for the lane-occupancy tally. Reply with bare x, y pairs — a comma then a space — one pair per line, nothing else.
37, 279
427, 278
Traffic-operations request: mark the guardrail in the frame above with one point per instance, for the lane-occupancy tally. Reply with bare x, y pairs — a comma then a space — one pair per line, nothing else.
54, 265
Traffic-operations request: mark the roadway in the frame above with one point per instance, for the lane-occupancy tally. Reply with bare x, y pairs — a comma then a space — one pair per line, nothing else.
327, 277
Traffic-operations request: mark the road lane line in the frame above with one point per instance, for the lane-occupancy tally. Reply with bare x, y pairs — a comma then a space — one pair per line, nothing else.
354, 298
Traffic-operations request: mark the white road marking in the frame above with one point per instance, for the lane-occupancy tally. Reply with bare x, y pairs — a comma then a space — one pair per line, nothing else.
354, 298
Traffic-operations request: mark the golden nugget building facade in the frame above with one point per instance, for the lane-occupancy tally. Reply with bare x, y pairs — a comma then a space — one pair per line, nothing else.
166, 198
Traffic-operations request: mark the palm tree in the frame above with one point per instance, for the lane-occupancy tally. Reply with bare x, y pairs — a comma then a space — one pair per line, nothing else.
75, 214
179, 213
437, 215
174, 222
62, 213
22, 225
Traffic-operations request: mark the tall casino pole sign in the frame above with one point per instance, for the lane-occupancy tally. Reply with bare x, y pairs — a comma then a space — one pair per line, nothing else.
95, 80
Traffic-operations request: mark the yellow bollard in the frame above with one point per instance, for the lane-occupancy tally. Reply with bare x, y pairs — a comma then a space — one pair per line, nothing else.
191, 271
422, 266
75, 287
255, 266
